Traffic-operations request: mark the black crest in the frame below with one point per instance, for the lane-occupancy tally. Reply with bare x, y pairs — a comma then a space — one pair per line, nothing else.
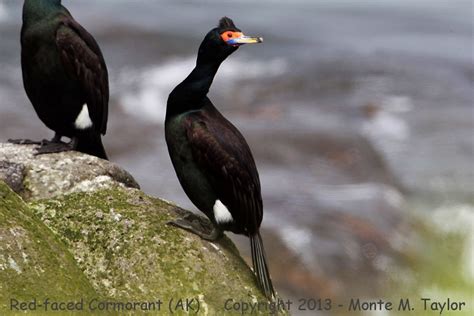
226, 23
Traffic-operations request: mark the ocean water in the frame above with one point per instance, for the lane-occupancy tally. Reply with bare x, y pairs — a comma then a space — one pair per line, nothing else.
359, 113
144, 92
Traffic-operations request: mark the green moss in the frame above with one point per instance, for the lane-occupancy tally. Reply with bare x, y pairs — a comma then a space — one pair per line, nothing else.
120, 239
32, 260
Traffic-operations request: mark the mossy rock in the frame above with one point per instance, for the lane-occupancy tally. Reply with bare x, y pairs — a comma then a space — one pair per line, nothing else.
121, 240
33, 261
94, 235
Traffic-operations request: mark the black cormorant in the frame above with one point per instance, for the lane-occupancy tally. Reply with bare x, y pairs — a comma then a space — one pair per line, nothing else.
65, 78
211, 158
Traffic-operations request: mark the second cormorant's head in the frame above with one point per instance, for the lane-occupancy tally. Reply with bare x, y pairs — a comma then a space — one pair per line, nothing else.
223, 40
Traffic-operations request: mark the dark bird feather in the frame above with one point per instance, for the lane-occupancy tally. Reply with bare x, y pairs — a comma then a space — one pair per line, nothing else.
81, 56
226, 23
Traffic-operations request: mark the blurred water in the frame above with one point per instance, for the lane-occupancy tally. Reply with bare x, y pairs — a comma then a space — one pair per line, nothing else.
147, 89
351, 108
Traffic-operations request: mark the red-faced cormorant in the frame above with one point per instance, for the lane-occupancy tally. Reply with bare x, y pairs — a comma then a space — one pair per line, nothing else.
211, 158
65, 78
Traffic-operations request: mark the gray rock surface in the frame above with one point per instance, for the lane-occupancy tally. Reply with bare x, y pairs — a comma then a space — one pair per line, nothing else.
45, 176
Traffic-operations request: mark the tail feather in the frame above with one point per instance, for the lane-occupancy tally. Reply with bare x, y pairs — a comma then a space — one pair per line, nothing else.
260, 266
92, 145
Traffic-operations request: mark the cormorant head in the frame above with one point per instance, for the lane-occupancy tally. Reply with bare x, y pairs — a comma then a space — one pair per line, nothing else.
223, 40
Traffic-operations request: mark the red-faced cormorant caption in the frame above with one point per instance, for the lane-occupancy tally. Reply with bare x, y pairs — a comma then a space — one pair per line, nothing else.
65, 78
211, 158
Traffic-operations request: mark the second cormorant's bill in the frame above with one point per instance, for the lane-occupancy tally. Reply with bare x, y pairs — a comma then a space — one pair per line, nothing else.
65, 78
212, 159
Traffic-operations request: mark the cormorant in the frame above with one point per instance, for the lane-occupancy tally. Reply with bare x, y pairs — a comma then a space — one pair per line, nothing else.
65, 78
211, 158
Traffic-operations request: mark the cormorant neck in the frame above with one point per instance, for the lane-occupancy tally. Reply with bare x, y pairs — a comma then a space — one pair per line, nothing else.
191, 93
35, 10
200, 79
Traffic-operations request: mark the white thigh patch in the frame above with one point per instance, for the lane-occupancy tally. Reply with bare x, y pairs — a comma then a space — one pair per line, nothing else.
83, 120
221, 213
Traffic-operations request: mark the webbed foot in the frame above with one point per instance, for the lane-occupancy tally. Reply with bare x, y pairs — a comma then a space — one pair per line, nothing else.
50, 148
55, 146
198, 227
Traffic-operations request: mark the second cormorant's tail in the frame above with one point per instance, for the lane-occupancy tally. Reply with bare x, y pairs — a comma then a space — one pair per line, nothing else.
92, 145
260, 266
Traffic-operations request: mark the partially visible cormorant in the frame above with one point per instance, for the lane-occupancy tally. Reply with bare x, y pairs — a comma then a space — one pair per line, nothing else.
212, 159
65, 78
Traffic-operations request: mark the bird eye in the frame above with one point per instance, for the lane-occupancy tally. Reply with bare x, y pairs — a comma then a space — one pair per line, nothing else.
229, 34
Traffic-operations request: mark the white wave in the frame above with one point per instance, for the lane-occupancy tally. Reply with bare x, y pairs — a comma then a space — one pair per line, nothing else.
145, 92
387, 124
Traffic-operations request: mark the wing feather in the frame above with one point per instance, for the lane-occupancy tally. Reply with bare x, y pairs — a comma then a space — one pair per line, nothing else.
82, 58
222, 152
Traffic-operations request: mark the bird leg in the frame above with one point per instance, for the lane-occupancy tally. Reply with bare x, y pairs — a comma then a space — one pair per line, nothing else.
56, 138
198, 227
55, 146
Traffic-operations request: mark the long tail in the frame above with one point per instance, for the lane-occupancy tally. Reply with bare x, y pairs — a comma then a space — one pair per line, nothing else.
260, 266
91, 144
